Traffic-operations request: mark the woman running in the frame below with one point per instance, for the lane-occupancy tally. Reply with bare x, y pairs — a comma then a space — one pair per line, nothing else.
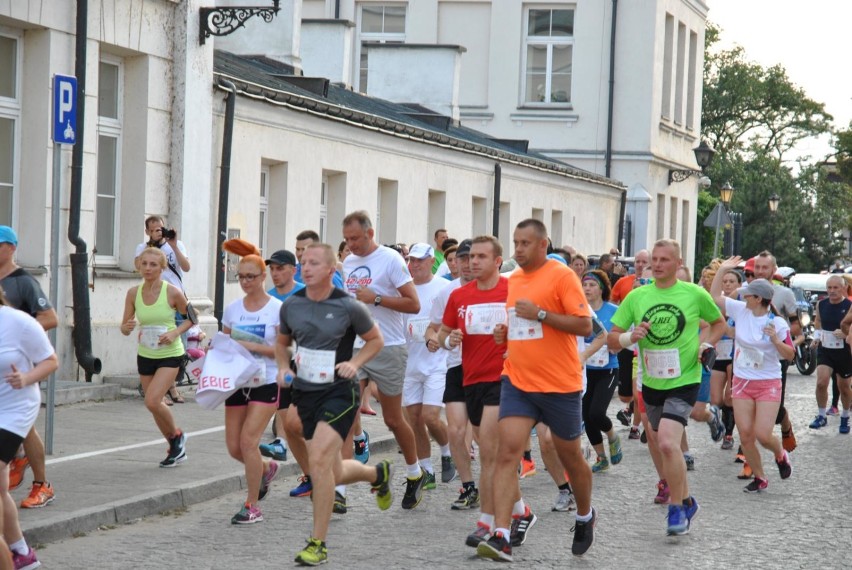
720, 379
26, 358
160, 351
253, 322
762, 341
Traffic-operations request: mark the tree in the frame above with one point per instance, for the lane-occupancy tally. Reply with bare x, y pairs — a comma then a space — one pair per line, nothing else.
843, 144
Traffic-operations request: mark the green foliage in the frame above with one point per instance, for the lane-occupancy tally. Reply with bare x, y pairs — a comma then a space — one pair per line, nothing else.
843, 144
704, 236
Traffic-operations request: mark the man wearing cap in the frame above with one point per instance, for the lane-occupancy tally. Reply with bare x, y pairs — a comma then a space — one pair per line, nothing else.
426, 371
23, 292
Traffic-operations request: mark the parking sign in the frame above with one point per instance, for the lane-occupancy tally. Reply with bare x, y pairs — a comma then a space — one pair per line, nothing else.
64, 109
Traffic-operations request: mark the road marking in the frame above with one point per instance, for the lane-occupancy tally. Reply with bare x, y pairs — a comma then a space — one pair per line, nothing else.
126, 447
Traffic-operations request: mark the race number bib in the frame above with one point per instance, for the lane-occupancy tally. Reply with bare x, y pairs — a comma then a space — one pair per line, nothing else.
149, 337
482, 318
416, 329
600, 358
828, 340
748, 358
724, 349
523, 329
662, 363
315, 366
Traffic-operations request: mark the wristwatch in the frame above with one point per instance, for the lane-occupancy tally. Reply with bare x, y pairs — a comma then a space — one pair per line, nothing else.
542, 314
378, 300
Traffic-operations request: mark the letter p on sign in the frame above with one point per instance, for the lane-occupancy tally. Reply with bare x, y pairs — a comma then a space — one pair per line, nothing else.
64, 109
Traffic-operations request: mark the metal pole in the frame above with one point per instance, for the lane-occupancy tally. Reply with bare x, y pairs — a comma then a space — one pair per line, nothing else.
54, 290
716, 237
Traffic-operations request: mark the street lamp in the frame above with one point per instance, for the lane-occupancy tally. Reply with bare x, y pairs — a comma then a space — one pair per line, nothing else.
703, 156
774, 200
726, 193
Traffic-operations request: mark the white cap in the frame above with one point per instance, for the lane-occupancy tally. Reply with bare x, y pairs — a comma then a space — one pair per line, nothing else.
421, 251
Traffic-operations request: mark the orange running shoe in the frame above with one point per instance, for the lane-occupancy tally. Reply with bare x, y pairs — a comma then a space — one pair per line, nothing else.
527, 468
17, 468
788, 441
40, 496
746, 473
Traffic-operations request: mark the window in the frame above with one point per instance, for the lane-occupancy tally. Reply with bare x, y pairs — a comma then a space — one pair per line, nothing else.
479, 221
10, 114
262, 229
378, 23
679, 73
691, 81
109, 160
668, 62
549, 43
323, 221
386, 210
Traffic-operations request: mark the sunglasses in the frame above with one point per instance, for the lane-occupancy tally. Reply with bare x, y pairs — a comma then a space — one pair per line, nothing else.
749, 274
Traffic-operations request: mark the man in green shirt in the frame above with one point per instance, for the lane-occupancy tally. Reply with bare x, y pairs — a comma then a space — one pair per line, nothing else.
440, 236
666, 317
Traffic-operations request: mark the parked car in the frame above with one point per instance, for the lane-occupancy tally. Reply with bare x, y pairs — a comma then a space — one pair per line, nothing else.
810, 284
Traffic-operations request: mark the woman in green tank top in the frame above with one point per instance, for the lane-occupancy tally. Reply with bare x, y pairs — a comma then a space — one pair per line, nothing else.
160, 352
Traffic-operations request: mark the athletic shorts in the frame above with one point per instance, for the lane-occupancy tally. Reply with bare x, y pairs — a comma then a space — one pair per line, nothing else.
337, 406
756, 390
285, 398
453, 389
149, 366
838, 359
479, 395
562, 413
266, 395
722, 365
423, 389
625, 373
675, 404
704, 390
9, 445
386, 369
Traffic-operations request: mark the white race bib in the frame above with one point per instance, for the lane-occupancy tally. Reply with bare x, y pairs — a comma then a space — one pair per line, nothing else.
359, 343
662, 363
724, 348
416, 329
523, 329
315, 366
149, 337
828, 340
259, 378
600, 358
482, 318
748, 358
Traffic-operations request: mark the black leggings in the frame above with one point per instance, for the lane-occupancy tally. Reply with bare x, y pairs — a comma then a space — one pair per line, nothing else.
599, 391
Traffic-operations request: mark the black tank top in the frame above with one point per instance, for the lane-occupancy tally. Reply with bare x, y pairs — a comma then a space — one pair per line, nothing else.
830, 314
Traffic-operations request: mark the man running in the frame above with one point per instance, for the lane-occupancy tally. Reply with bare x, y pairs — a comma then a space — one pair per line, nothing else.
833, 354
666, 316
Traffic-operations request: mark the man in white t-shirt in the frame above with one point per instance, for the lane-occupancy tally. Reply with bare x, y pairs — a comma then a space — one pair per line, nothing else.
176, 256
377, 276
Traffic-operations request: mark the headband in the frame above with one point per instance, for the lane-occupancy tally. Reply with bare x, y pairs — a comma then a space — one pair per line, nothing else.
595, 278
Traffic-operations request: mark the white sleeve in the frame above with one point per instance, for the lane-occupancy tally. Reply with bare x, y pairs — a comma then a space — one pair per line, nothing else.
436, 313
182, 249
140, 248
398, 271
228, 315
34, 342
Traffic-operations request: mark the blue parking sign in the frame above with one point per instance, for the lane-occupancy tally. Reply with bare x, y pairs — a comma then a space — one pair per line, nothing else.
64, 109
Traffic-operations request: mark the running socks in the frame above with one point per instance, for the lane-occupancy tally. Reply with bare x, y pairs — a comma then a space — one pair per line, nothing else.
519, 508
426, 464
413, 471
528, 454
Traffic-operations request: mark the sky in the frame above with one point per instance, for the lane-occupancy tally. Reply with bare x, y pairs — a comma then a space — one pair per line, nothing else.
810, 39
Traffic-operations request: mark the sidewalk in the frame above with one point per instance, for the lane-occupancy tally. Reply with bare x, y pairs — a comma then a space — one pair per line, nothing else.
105, 465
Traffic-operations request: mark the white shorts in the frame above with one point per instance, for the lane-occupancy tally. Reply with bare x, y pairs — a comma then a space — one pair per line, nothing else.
422, 389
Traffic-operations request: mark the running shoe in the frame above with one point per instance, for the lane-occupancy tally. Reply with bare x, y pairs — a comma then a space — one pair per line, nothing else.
382, 489
274, 450
526, 468
819, 422
481, 534
40, 495
249, 514
495, 548
564, 502
615, 454
448, 469
601, 465
690, 509
677, 521
728, 442
624, 416
844, 425
27, 561
746, 473
314, 554
17, 468
339, 507
785, 468
468, 499
717, 428
644, 437
584, 535
634, 433
832, 411
304, 488
521, 525
413, 490
788, 441
266, 479
430, 482
663, 493
757, 485
362, 449
690, 462
177, 451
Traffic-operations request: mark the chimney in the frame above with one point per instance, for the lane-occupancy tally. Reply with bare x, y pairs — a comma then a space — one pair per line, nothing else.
327, 49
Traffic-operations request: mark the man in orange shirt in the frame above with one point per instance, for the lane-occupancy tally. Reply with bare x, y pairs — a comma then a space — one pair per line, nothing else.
625, 284
542, 380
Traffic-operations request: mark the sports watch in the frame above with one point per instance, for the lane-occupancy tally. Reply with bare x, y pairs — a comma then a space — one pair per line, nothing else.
377, 301
542, 314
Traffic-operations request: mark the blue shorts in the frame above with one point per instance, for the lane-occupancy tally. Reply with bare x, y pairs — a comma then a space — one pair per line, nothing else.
562, 413
704, 390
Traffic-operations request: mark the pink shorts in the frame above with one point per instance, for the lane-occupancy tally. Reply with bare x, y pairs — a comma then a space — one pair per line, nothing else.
756, 390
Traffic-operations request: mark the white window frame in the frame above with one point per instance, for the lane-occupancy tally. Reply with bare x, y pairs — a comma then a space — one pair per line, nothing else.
112, 128
263, 212
323, 210
374, 38
10, 108
549, 42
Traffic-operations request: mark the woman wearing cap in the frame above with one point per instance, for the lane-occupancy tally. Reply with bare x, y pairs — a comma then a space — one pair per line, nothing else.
762, 341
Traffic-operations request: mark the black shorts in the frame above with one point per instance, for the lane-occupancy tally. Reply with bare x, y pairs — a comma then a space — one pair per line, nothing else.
453, 390
265, 395
477, 396
674, 404
285, 398
838, 359
9, 445
149, 366
336, 405
722, 365
625, 373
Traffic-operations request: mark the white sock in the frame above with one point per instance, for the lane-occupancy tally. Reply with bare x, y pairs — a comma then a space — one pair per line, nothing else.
844, 413
504, 531
487, 520
20, 547
426, 464
445, 450
359, 437
413, 471
340, 489
822, 412
584, 518
687, 454
519, 509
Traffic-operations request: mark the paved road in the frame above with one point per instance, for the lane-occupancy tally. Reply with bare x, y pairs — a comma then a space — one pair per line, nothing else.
800, 523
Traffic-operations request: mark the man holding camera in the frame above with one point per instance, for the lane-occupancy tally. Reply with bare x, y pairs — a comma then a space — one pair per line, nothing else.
166, 239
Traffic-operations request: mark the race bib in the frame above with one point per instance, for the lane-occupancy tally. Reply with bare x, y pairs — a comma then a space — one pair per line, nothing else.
482, 318
662, 363
828, 340
149, 337
259, 379
600, 358
315, 366
748, 358
416, 329
724, 349
523, 329
359, 342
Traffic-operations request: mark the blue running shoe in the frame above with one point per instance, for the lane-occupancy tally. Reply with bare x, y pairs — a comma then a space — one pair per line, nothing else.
304, 488
819, 422
691, 508
362, 448
844, 425
274, 450
615, 454
677, 521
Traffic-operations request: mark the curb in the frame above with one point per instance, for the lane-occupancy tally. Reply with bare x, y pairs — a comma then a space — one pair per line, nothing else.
82, 521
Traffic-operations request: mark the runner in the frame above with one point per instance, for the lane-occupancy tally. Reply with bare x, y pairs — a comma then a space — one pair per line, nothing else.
720, 379
833, 354
324, 320
666, 318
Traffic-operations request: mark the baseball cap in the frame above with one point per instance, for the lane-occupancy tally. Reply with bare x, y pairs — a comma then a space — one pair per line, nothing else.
749, 265
421, 251
282, 257
464, 248
759, 288
8, 235
557, 257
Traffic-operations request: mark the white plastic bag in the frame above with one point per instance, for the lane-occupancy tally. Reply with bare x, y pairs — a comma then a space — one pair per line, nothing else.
226, 367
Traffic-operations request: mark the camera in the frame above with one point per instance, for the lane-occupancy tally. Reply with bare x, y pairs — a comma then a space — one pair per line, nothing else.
168, 233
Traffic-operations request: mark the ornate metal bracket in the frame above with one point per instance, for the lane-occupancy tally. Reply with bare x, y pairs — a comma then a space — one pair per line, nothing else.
225, 21
681, 175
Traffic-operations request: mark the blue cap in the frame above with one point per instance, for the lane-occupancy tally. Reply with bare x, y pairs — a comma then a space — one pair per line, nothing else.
557, 257
8, 235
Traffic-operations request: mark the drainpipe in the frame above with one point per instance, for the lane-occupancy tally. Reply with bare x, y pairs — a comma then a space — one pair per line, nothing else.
495, 220
82, 332
608, 166
224, 189
336, 9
